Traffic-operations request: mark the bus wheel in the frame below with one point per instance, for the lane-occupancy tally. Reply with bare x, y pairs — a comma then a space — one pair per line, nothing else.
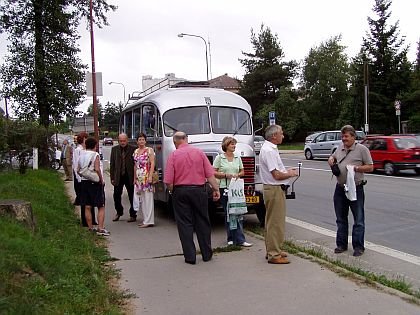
260, 212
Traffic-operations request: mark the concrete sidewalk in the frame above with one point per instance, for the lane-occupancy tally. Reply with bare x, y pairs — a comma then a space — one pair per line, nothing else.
152, 267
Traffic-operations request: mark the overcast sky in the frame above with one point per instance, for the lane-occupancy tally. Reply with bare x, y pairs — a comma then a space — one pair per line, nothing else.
142, 36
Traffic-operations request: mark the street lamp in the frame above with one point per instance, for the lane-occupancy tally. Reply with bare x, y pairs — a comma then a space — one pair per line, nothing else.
205, 43
119, 84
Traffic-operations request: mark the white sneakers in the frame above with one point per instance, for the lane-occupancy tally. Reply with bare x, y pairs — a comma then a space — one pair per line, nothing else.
244, 244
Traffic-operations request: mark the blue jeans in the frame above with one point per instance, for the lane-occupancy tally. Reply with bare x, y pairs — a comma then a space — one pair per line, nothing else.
341, 205
236, 236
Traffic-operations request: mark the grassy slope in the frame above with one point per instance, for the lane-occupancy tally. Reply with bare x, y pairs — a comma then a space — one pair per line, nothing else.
59, 269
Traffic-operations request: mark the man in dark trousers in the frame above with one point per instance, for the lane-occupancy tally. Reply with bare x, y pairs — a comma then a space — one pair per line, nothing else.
357, 157
185, 176
122, 174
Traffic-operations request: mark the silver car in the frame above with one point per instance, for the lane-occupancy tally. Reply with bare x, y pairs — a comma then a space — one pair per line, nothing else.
325, 143
312, 136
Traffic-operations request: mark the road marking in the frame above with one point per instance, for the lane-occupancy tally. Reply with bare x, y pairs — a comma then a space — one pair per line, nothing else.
371, 246
366, 174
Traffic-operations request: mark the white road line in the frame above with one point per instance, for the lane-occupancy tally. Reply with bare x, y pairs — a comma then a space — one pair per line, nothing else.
371, 246
366, 174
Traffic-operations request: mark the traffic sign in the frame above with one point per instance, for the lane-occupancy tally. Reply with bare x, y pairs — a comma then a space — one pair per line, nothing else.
272, 118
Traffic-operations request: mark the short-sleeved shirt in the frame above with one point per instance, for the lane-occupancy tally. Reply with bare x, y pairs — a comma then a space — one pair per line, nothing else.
187, 165
222, 163
356, 155
269, 161
86, 157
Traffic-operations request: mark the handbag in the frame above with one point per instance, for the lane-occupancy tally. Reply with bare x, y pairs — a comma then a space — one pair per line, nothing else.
87, 173
155, 173
236, 197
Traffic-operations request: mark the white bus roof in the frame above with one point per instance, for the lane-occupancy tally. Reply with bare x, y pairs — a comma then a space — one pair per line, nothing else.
185, 97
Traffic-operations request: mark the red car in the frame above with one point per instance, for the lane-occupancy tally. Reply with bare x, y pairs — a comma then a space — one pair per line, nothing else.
108, 141
394, 153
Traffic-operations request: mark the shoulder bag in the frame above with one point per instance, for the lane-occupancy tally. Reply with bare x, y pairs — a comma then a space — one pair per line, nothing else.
90, 174
155, 174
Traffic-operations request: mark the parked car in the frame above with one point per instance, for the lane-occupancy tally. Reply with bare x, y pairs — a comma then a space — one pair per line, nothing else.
325, 143
311, 137
108, 141
394, 153
258, 142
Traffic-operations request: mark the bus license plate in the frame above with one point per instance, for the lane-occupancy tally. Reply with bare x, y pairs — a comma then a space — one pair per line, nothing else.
252, 199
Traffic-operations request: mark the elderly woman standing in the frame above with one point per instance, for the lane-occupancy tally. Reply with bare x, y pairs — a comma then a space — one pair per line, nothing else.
144, 165
227, 166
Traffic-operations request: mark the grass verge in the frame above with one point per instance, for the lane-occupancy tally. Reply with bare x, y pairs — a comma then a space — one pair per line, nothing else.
291, 146
60, 268
369, 277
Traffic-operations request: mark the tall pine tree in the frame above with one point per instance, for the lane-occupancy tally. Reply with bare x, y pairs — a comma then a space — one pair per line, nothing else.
389, 70
265, 71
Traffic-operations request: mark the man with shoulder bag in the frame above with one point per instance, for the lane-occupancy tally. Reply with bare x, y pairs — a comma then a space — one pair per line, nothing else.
350, 158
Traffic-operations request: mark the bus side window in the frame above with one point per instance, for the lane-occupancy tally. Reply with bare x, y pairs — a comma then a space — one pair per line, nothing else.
128, 124
159, 125
148, 120
136, 119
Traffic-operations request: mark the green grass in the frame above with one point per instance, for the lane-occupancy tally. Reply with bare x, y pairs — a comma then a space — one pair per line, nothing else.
369, 277
297, 146
60, 268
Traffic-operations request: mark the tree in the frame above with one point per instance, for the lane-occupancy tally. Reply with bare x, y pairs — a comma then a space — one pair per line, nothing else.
100, 112
389, 69
325, 78
289, 113
265, 72
42, 74
111, 118
411, 99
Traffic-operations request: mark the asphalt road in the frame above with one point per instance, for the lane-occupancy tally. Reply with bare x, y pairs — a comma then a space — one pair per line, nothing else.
152, 266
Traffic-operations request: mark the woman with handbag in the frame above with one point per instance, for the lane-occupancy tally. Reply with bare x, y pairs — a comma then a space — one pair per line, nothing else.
144, 165
229, 166
92, 185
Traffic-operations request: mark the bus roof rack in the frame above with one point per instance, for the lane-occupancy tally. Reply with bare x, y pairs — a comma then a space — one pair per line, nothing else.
166, 83
191, 84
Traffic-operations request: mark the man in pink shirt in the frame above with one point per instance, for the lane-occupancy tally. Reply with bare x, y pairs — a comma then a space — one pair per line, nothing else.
186, 172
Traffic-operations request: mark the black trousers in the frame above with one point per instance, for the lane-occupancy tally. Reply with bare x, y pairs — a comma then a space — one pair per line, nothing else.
77, 190
118, 190
191, 214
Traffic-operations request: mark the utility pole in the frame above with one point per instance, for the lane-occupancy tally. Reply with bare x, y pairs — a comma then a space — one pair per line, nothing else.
95, 101
366, 86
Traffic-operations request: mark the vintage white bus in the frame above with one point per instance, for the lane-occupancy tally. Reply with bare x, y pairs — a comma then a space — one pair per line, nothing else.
206, 115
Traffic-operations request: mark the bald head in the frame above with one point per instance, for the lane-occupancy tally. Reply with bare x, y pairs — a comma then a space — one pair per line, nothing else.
179, 137
122, 139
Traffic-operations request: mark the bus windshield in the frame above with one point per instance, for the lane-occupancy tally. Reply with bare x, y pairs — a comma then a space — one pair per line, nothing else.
228, 120
191, 120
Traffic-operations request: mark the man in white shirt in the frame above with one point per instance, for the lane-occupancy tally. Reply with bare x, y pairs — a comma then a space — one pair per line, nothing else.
275, 179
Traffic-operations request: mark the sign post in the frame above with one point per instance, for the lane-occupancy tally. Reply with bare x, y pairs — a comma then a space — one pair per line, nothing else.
272, 118
398, 113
